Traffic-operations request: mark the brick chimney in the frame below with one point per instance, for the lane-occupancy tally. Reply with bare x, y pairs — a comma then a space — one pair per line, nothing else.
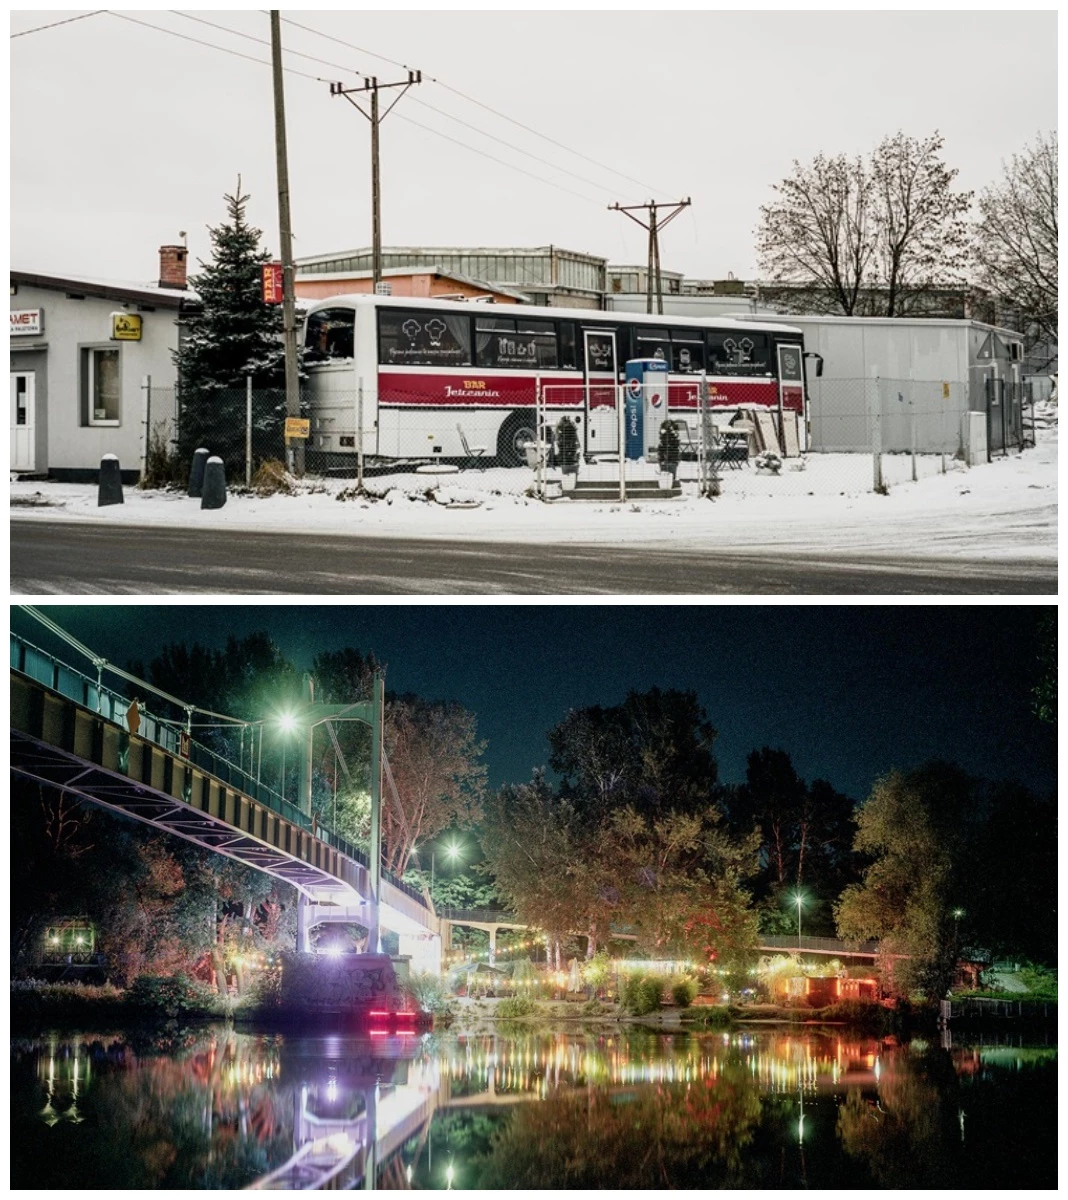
172, 267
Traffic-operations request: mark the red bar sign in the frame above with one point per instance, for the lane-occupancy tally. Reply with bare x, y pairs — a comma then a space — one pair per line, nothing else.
271, 279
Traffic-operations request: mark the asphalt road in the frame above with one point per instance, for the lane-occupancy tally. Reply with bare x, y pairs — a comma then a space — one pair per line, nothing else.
62, 558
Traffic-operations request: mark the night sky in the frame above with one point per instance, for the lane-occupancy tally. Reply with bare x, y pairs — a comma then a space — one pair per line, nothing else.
849, 691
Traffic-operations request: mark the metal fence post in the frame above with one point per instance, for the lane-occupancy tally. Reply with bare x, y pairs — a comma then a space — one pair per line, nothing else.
912, 427
539, 439
359, 434
146, 385
706, 450
621, 434
248, 431
876, 432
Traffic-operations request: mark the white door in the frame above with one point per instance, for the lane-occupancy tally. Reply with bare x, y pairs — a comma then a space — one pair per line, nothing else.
602, 391
23, 415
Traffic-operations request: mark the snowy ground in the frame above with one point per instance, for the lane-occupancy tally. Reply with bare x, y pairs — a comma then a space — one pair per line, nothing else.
1006, 508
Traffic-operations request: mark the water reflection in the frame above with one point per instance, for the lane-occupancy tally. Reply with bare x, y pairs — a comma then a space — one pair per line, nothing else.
217, 1108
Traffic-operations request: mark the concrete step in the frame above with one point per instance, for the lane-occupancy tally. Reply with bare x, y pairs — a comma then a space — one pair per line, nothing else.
606, 489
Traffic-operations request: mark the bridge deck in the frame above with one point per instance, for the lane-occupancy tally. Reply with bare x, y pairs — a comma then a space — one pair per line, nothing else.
60, 743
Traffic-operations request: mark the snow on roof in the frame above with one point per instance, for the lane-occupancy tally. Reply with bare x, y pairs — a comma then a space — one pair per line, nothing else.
135, 287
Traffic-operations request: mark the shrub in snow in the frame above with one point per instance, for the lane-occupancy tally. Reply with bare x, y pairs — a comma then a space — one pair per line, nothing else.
272, 477
668, 450
567, 445
767, 462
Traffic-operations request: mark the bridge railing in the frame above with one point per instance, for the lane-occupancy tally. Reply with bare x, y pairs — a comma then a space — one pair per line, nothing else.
51, 671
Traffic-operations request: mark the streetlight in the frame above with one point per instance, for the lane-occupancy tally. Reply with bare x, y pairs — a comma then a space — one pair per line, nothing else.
799, 900
287, 722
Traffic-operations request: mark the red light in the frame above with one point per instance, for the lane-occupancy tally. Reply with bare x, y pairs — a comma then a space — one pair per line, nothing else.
379, 1033
374, 1013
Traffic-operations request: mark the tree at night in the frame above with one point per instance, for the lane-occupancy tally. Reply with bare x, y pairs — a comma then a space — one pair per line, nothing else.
654, 751
806, 833
915, 827
631, 836
680, 882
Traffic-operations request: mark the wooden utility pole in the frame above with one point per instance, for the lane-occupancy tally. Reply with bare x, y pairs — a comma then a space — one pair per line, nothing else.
372, 85
654, 225
289, 312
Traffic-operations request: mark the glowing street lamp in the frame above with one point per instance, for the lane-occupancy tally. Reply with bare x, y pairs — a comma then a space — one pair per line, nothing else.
287, 723
799, 900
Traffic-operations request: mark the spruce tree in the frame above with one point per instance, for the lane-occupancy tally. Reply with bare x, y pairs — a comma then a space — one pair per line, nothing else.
234, 335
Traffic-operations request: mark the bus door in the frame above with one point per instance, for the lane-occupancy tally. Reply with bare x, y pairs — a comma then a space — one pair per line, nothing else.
791, 383
602, 391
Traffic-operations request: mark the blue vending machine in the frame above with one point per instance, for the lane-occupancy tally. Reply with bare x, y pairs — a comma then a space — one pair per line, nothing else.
645, 399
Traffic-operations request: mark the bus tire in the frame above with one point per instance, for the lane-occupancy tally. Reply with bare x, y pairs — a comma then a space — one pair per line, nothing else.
517, 430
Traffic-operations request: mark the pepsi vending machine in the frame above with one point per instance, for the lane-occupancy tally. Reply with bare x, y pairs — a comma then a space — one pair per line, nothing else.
645, 394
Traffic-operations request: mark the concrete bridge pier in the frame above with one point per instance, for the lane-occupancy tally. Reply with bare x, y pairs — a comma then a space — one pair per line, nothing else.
304, 924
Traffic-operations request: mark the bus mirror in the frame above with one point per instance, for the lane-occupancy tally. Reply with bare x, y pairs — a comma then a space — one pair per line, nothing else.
819, 361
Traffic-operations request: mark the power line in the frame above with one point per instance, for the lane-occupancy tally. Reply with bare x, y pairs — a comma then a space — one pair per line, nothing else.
414, 100
318, 79
471, 100
211, 45
55, 24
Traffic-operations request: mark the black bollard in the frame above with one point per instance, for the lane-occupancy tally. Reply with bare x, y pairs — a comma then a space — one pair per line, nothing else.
110, 491
196, 471
214, 484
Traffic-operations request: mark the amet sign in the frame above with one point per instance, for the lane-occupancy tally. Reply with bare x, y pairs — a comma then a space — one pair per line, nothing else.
26, 321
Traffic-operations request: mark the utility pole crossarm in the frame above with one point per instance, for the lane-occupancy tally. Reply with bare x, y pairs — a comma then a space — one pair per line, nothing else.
653, 225
372, 87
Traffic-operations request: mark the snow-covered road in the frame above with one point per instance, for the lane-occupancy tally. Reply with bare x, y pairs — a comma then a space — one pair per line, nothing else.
1004, 509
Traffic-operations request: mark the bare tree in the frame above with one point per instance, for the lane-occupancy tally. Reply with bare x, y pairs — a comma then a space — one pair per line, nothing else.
921, 227
1017, 235
866, 237
816, 234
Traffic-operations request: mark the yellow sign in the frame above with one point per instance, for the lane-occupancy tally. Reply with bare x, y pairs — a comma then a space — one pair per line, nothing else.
298, 427
945, 391
125, 327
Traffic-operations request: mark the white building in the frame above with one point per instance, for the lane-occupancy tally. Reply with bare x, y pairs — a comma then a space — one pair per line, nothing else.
930, 372
81, 352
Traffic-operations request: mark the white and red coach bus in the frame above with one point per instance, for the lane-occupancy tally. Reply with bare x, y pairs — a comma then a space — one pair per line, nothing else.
428, 369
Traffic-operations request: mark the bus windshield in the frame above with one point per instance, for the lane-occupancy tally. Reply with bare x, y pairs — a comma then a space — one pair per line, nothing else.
330, 334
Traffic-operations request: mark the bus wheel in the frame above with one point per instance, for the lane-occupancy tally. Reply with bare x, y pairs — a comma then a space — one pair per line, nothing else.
516, 432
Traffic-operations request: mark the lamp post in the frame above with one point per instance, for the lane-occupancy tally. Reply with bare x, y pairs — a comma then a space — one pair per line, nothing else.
287, 722
957, 913
799, 900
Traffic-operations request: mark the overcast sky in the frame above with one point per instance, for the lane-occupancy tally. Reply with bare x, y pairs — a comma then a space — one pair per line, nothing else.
122, 136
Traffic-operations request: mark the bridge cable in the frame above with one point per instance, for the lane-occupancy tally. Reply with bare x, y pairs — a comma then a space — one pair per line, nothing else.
102, 663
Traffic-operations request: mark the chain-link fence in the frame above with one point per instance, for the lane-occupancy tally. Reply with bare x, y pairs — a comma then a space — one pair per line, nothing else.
863, 435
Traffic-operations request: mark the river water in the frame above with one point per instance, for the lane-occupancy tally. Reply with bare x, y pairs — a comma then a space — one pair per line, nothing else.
826, 1108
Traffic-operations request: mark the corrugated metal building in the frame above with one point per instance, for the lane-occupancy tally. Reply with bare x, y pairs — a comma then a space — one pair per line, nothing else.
549, 275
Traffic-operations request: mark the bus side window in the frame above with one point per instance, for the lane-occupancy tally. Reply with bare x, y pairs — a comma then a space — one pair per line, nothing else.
652, 343
408, 337
687, 351
568, 357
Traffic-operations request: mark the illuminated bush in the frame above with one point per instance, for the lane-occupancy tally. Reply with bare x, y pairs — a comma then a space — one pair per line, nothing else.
427, 993
516, 1006
640, 994
683, 991
172, 995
